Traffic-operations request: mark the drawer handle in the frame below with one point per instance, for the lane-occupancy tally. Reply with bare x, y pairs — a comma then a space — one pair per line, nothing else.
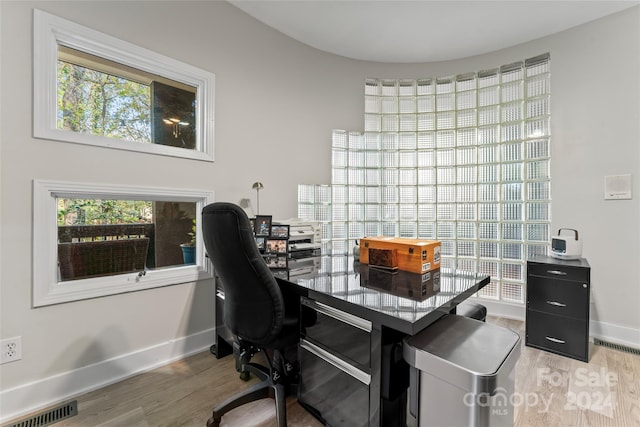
556, 303
344, 366
556, 340
557, 272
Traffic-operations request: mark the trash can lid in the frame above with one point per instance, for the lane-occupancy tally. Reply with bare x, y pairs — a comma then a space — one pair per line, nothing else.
456, 343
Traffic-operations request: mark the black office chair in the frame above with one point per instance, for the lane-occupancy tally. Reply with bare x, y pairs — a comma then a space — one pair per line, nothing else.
255, 309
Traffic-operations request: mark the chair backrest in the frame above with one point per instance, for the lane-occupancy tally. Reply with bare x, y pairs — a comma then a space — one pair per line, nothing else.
253, 304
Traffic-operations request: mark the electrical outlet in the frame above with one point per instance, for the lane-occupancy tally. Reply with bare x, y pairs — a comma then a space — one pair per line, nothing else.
11, 350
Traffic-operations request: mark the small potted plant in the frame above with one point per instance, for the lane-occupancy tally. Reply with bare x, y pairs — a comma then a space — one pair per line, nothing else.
189, 248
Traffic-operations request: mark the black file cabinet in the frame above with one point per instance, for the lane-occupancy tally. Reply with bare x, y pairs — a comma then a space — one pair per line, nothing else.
557, 317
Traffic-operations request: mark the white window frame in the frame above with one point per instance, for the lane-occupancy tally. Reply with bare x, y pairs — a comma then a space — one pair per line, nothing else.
50, 32
47, 289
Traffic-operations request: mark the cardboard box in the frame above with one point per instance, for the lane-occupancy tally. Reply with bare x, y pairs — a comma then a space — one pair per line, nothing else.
413, 255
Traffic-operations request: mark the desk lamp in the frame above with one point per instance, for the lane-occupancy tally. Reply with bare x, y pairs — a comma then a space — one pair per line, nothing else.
257, 186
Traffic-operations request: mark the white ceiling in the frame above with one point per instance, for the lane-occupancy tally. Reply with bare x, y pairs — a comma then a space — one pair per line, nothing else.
422, 30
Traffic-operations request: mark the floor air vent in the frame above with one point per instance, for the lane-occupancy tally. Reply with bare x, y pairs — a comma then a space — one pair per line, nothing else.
50, 416
618, 347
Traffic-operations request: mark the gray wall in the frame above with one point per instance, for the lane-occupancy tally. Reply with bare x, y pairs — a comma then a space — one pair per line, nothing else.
281, 99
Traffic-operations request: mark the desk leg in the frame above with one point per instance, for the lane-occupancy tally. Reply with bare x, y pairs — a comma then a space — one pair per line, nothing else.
374, 386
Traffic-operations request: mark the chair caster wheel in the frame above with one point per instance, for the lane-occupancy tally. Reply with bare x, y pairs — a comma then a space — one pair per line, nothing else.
245, 375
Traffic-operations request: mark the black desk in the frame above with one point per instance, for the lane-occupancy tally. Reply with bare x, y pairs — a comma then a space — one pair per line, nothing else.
362, 327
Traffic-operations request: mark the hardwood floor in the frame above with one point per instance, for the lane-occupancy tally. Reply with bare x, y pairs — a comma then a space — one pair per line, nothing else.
550, 391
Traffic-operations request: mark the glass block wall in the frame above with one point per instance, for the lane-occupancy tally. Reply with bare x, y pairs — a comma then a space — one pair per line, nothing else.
463, 159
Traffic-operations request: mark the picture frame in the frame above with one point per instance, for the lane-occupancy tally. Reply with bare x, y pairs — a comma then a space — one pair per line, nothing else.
280, 231
262, 225
260, 243
277, 261
276, 246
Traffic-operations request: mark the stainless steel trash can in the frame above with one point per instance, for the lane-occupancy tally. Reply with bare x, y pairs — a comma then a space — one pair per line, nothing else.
463, 373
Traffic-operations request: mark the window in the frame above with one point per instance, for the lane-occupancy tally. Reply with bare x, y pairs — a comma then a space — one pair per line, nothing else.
93, 240
462, 159
91, 88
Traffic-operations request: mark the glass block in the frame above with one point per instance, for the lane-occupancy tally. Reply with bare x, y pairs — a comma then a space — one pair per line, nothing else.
356, 212
338, 158
467, 118
356, 230
339, 139
390, 212
389, 141
534, 250
488, 78
323, 194
512, 172
407, 104
427, 176
427, 230
389, 105
488, 154
372, 104
537, 148
325, 230
467, 174
339, 176
466, 212
447, 249
371, 87
372, 228
511, 251
306, 193
538, 86
372, 195
445, 102
389, 176
488, 250
339, 212
446, 193
390, 123
511, 112
488, 173
490, 291
537, 67
538, 170
537, 107
488, 230
445, 211
465, 248
426, 140
512, 272
426, 158
444, 85
339, 230
512, 152
407, 87
306, 212
408, 194
466, 100
512, 211
407, 141
466, 156
538, 190
447, 262
372, 212
372, 123
446, 229
511, 231
426, 212
355, 193
390, 159
390, 229
511, 132
513, 73
372, 141
373, 177
389, 88
356, 176
537, 128
390, 194
372, 158
488, 212
512, 292
322, 213
488, 115
425, 87
466, 137
445, 120
512, 91
488, 192
408, 176
339, 247
466, 230
512, 192
356, 140
408, 229
426, 121
426, 104
488, 96
490, 268
426, 194
538, 211
408, 159
445, 157
488, 134
538, 232
356, 159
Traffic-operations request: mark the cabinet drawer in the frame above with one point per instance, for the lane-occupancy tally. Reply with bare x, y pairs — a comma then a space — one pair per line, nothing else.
332, 389
342, 333
565, 336
558, 271
556, 296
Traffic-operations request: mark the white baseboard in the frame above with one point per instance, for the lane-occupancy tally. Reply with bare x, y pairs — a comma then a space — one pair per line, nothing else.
31, 397
610, 332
